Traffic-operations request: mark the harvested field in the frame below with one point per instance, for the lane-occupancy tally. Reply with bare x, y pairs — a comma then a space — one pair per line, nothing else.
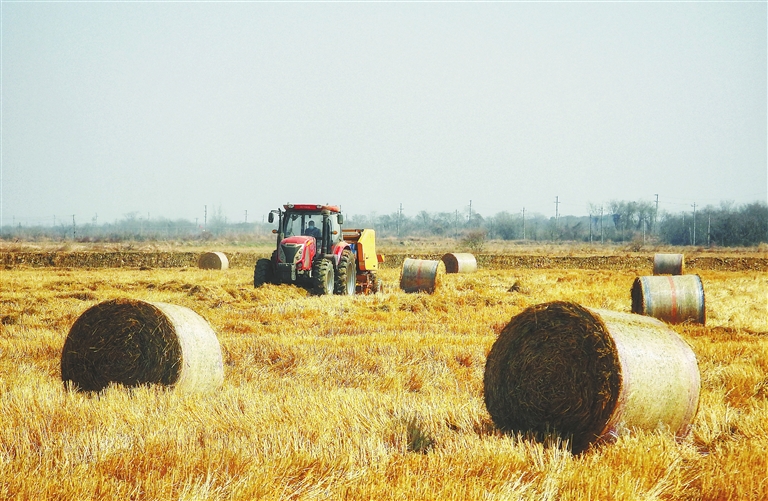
100, 259
363, 397
136, 259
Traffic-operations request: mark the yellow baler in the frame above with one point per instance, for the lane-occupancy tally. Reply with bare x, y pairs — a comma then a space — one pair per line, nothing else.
363, 243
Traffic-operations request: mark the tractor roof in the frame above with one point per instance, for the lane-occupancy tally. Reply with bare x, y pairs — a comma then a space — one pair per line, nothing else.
311, 207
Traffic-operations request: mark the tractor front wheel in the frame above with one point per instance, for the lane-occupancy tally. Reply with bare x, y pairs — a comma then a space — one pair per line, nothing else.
346, 274
322, 277
262, 273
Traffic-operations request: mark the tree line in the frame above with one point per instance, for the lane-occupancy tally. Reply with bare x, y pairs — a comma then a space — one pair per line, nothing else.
725, 225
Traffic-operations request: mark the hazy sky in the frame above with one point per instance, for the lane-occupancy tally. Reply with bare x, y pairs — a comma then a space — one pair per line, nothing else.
162, 108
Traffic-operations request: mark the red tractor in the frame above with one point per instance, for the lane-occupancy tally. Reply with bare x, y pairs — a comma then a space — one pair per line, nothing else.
313, 252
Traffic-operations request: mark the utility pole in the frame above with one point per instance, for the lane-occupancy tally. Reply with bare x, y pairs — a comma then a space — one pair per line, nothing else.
601, 224
246, 216
399, 217
523, 223
694, 223
557, 211
709, 230
684, 227
205, 218
655, 213
470, 211
74, 231
456, 225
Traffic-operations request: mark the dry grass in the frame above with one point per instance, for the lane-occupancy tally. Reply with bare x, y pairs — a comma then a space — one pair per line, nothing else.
368, 397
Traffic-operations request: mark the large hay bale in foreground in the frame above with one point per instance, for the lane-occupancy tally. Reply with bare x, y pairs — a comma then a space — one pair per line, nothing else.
213, 261
668, 264
134, 342
421, 275
589, 375
459, 262
673, 299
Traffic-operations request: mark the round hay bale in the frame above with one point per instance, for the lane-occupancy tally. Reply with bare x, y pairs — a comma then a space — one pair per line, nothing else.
673, 299
421, 275
589, 375
668, 264
213, 261
459, 262
134, 342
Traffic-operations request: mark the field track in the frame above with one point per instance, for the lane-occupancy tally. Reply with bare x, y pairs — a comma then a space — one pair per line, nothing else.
139, 259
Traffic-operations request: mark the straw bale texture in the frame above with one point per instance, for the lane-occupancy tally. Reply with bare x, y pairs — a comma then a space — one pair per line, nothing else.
213, 261
668, 264
459, 262
589, 375
673, 299
421, 275
134, 342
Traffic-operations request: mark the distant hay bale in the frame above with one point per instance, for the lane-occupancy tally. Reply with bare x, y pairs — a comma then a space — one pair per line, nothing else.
421, 275
132, 343
668, 264
459, 262
673, 299
589, 375
213, 261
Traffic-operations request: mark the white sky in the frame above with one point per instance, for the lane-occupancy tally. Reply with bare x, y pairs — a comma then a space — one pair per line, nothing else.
163, 108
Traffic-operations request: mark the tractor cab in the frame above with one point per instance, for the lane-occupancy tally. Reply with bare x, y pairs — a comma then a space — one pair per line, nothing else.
301, 222
322, 222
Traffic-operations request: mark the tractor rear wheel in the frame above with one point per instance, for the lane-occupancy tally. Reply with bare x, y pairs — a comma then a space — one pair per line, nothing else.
262, 273
346, 274
322, 277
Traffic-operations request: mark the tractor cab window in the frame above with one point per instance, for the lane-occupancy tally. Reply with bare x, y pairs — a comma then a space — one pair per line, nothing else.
335, 229
297, 223
313, 226
291, 225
